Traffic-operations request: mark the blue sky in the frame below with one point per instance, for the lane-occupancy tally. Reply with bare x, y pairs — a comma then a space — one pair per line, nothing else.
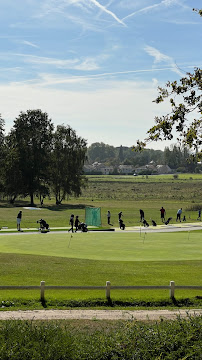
95, 64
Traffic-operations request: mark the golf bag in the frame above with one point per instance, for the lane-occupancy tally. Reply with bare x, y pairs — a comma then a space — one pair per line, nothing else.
167, 221
154, 223
83, 227
44, 227
145, 223
121, 224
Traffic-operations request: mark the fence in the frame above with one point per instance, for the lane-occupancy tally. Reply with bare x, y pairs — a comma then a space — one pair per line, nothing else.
108, 287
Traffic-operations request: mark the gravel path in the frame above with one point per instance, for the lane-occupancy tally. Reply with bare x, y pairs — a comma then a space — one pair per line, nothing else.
98, 314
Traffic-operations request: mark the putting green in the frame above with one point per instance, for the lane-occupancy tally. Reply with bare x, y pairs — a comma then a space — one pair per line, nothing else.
108, 246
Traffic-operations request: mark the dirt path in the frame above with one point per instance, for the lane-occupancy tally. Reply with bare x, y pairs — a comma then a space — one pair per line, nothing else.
98, 314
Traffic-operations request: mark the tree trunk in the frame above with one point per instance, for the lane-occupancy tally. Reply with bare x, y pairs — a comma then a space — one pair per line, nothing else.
32, 199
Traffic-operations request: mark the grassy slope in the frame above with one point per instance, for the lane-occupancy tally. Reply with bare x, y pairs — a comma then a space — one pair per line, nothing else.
92, 259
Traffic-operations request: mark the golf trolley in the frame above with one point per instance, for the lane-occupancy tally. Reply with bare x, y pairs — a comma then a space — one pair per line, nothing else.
121, 224
44, 227
83, 227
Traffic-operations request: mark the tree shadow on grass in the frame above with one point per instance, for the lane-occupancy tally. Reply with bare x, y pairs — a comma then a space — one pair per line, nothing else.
65, 207
53, 207
17, 204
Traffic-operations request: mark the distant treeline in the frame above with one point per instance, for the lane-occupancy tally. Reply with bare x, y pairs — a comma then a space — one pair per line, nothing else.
175, 157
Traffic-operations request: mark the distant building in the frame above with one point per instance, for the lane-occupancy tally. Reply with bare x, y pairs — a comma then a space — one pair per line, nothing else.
126, 169
98, 168
163, 169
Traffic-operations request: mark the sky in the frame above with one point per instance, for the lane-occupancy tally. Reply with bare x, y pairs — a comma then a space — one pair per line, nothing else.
95, 65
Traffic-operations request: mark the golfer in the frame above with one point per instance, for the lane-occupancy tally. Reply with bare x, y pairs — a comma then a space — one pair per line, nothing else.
108, 217
120, 214
141, 215
19, 218
71, 222
179, 213
77, 222
163, 212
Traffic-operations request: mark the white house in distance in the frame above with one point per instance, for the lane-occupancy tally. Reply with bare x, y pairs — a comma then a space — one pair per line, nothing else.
163, 169
98, 167
126, 169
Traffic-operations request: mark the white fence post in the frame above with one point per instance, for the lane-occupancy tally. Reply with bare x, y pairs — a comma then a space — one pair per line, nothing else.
108, 287
42, 290
172, 289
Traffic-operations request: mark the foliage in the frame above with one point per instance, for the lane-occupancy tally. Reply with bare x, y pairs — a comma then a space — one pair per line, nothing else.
100, 152
173, 156
2, 152
180, 119
178, 339
33, 158
67, 160
31, 136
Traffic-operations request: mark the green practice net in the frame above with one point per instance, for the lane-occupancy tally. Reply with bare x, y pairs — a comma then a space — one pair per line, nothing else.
93, 216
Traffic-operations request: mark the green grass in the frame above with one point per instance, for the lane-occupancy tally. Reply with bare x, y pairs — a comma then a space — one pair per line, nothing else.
108, 246
94, 258
116, 193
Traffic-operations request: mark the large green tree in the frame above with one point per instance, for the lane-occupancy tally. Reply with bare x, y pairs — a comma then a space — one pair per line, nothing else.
185, 117
67, 160
2, 152
12, 175
31, 139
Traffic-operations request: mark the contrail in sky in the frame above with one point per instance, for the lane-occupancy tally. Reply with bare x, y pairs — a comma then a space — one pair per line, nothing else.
96, 3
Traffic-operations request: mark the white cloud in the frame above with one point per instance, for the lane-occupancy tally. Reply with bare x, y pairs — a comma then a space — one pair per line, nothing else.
160, 57
151, 7
104, 9
29, 44
119, 113
86, 64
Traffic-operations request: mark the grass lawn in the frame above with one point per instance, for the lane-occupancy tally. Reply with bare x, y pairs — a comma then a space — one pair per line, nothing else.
94, 258
108, 246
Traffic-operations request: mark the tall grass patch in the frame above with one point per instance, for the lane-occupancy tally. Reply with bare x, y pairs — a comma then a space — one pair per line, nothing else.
178, 339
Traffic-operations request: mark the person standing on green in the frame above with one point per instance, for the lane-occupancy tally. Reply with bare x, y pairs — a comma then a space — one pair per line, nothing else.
163, 212
179, 213
71, 221
19, 218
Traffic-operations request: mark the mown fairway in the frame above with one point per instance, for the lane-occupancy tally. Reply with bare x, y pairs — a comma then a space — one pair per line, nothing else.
94, 258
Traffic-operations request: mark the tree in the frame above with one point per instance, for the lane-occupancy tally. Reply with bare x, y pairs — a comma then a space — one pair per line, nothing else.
67, 160
2, 152
121, 156
31, 138
13, 181
185, 117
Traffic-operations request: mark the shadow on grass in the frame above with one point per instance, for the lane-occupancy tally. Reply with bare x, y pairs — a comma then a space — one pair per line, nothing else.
99, 303
53, 207
64, 207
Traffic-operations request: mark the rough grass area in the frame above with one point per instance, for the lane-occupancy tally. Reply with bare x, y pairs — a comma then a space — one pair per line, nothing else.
116, 193
180, 339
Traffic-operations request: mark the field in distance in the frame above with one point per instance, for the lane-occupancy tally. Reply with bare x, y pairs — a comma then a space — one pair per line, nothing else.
117, 193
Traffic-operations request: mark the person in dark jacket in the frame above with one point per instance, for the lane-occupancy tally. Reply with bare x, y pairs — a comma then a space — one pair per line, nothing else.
77, 222
19, 218
71, 221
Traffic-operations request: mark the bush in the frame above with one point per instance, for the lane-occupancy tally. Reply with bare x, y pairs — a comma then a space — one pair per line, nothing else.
177, 339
